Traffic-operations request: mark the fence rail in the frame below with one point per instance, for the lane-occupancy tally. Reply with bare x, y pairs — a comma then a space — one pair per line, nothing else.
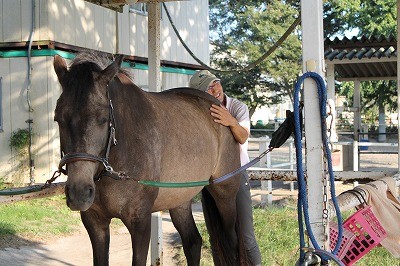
268, 162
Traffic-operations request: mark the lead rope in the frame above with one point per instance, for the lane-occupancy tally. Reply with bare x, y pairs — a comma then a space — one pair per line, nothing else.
302, 204
206, 182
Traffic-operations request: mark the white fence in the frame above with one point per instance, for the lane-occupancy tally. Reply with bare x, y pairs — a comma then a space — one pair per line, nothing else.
278, 164
289, 161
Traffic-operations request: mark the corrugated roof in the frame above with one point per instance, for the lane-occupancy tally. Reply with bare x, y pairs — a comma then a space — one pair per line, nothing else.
362, 58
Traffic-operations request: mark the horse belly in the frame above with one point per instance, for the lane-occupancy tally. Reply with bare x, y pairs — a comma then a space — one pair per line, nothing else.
178, 168
169, 198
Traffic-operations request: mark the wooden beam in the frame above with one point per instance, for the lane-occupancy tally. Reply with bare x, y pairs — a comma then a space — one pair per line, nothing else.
54, 189
286, 175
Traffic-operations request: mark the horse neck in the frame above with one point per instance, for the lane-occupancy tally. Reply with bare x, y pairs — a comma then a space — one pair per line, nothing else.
130, 102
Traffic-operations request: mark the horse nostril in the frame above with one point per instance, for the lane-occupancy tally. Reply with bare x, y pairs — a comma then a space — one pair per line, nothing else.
90, 191
68, 194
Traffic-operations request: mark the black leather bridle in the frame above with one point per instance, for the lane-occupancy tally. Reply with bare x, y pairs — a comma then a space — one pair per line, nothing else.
82, 156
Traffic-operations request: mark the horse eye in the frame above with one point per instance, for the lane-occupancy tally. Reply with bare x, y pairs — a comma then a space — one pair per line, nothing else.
102, 121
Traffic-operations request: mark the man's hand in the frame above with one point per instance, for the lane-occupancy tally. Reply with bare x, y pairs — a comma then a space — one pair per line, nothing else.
223, 117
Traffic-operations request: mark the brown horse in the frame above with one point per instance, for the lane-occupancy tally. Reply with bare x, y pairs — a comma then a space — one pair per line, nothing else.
108, 124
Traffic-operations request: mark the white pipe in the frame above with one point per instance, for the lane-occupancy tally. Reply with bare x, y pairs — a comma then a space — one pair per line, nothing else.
348, 201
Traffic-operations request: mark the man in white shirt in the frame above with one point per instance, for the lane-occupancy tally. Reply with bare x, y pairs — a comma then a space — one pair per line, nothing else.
235, 115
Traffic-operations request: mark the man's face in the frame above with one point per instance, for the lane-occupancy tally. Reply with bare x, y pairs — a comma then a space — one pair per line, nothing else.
216, 90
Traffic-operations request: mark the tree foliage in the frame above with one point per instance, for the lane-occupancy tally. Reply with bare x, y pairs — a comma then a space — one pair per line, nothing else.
241, 32
370, 18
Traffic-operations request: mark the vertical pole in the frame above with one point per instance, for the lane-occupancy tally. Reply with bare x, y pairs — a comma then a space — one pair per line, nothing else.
156, 251
154, 16
154, 46
398, 84
357, 107
262, 146
330, 77
313, 60
356, 160
266, 185
291, 154
357, 123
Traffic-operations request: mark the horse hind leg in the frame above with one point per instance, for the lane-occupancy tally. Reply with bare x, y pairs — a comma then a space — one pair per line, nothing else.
182, 218
98, 228
222, 224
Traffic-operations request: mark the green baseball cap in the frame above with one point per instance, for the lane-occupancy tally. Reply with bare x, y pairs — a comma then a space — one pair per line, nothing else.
201, 80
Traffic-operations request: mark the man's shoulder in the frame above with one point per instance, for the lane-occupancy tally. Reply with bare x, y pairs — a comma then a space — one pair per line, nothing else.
236, 103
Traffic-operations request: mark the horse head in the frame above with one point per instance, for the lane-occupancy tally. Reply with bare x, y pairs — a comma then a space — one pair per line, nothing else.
84, 119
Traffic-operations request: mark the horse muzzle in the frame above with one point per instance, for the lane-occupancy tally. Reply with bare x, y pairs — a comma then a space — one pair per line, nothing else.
80, 186
79, 198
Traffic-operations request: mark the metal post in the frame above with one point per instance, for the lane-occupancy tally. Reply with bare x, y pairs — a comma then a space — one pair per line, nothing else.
262, 146
357, 107
355, 156
156, 250
267, 199
291, 161
154, 10
291, 154
330, 75
313, 60
154, 46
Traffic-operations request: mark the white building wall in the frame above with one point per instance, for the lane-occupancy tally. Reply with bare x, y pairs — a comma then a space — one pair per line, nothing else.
44, 92
79, 23
83, 24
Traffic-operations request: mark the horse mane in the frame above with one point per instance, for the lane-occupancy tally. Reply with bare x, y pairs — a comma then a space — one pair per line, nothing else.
100, 60
80, 71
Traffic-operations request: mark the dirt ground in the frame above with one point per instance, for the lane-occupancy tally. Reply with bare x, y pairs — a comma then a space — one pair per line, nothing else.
76, 249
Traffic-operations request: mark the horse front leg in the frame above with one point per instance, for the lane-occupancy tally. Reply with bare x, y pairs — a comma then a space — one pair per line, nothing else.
98, 228
139, 228
182, 218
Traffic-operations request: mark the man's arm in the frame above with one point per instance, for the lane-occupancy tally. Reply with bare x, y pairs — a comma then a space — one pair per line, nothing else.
223, 117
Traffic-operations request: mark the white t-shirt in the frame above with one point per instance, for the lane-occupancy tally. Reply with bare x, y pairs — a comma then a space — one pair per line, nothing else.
240, 111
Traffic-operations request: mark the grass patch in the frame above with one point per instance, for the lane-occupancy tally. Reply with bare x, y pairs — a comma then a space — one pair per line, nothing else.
278, 238
38, 218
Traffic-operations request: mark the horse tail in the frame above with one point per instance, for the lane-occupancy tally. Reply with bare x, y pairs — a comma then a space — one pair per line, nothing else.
222, 248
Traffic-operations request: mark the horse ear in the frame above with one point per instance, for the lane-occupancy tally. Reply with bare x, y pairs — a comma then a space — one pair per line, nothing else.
110, 71
60, 67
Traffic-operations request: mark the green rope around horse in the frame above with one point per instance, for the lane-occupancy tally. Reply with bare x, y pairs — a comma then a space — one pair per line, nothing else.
174, 185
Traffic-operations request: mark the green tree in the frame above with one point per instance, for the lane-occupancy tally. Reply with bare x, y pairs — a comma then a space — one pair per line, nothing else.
370, 18
241, 32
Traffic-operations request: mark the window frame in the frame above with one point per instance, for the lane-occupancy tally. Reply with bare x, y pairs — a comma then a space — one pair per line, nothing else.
143, 9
